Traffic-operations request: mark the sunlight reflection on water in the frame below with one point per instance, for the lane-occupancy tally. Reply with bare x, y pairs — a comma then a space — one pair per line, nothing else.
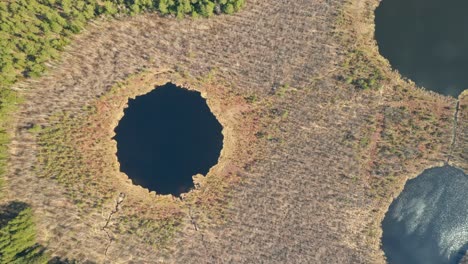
428, 223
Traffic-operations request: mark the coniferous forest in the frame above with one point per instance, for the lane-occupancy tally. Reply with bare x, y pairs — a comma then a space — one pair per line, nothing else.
33, 33
18, 235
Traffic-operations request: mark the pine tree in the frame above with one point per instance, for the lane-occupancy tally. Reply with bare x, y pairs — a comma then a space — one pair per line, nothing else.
163, 6
228, 9
18, 236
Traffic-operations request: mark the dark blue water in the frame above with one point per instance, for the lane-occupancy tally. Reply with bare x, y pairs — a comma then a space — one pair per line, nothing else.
426, 41
167, 136
428, 222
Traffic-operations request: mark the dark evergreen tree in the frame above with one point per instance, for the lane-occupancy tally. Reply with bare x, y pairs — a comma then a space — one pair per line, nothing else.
18, 236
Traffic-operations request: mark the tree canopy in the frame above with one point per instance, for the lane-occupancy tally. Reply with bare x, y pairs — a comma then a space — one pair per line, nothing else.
33, 32
18, 236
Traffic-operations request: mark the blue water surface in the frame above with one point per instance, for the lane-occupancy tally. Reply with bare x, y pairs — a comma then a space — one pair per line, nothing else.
428, 222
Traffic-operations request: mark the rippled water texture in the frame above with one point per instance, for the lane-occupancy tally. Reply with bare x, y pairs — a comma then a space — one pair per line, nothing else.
428, 222
426, 41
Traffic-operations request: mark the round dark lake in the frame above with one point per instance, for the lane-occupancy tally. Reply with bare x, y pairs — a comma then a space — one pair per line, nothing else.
167, 136
426, 41
428, 222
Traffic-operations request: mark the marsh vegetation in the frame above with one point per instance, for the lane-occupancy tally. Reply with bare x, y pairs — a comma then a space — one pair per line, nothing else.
33, 33
309, 190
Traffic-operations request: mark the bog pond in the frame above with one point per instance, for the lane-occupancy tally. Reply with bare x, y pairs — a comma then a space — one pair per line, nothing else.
428, 222
167, 136
426, 41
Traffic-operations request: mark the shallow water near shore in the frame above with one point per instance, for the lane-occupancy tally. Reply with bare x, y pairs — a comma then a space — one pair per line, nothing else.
428, 222
426, 41
167, 136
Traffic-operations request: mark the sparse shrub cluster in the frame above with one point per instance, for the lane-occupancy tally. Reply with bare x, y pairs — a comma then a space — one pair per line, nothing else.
18, 236
62, 160
33, 32
162, 230
361, 73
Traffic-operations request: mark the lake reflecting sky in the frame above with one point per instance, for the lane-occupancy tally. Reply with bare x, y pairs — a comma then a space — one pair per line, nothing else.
428, 222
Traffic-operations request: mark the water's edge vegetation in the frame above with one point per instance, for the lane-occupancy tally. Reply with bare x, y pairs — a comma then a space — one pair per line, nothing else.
425, 41
191, 135
365, 70
33, 33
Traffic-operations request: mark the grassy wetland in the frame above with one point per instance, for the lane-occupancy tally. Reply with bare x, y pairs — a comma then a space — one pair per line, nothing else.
319, 136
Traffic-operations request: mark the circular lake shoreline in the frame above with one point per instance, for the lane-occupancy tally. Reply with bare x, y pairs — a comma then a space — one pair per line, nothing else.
427, 223
426, 41
167, 136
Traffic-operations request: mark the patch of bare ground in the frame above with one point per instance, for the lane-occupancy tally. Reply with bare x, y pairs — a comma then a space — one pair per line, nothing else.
311, 187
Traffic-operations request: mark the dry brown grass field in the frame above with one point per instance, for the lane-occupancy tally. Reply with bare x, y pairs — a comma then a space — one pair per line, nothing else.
310, 163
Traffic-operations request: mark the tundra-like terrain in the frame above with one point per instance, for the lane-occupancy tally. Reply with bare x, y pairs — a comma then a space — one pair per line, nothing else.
312, 186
